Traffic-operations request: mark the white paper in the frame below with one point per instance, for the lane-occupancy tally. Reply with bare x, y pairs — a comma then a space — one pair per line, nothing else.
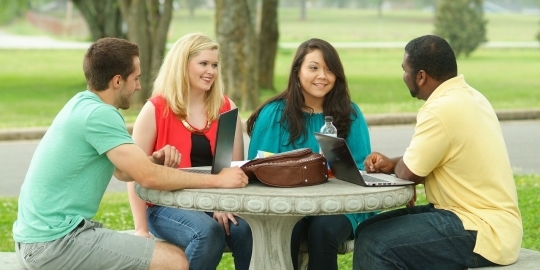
238, 163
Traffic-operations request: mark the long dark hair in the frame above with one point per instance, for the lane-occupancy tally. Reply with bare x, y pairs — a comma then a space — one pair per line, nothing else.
337, 102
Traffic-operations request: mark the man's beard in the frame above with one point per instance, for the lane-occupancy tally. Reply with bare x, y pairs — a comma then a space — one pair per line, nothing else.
414, 91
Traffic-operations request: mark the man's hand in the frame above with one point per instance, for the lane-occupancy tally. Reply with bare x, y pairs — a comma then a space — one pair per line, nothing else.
232, 177
167, 156
379, 163
223, 220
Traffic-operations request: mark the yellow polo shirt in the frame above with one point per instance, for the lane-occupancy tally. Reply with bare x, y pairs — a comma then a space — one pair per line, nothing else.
459, 147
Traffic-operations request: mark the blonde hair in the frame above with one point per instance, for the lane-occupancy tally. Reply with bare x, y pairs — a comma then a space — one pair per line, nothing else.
172, 81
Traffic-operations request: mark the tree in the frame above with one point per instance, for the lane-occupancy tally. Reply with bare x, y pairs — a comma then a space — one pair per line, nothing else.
462, 24
102, 17
192, 5
10, 10
538, 36
268, 43
237, 36
303, 4
147, 25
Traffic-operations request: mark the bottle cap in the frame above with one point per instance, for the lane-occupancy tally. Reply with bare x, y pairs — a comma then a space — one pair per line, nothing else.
328, 118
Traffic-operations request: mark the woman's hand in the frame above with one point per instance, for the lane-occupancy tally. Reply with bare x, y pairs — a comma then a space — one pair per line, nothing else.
223, 219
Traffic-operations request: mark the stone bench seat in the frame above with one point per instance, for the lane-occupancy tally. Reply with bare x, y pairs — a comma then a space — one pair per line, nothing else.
528, 259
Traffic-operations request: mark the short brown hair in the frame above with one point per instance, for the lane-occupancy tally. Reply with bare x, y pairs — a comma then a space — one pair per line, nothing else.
107, 58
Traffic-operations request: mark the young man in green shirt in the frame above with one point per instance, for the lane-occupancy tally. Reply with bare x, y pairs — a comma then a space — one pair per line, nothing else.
86, 144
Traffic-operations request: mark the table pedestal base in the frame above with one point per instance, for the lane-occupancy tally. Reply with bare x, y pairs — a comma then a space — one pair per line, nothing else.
271, 241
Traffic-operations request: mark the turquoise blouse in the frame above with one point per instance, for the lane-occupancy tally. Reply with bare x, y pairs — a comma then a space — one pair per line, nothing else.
268, 135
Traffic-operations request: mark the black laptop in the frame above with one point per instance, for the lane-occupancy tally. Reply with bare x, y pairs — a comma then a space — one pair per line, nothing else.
341, 161
226, 131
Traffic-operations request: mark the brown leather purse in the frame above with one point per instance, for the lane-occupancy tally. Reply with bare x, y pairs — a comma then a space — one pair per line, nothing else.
296, 168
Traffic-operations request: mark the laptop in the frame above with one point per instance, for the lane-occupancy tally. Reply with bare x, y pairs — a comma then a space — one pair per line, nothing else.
226, 130
341, 161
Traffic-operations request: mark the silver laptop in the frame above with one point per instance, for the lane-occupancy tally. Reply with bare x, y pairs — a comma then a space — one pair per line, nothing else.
226, 130
339, 157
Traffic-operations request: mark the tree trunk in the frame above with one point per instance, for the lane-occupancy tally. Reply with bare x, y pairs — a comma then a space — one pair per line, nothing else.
268, 43
236, 34
303, 10
379, 8
192, 5
102, 17
147, 25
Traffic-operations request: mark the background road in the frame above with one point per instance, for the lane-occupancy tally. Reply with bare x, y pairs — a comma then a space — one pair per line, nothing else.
522, 140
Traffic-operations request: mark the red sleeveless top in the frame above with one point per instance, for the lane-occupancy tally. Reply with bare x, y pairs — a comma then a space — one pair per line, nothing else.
171, 131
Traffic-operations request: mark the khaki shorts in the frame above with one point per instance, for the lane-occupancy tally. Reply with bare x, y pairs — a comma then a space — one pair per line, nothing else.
89, 246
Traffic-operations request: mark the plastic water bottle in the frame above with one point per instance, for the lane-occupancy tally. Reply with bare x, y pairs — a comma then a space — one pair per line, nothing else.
331, 130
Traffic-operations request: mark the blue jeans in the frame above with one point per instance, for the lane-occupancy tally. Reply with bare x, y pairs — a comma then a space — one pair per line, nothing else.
201, 236
323, 234
419, 237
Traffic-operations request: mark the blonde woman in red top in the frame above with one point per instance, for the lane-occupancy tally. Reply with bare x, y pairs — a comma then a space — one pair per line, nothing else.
182, 112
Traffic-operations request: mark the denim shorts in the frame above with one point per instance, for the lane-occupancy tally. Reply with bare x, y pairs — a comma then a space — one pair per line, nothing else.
89, 246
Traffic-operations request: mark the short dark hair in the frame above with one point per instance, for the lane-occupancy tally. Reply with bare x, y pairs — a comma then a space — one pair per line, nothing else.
432, 54
337, 102
106, 58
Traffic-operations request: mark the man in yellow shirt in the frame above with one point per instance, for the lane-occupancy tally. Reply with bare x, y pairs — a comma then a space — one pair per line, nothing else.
459, 154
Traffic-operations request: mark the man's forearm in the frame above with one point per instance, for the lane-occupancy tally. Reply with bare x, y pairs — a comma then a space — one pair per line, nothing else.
165, 178
402, 171
120, 175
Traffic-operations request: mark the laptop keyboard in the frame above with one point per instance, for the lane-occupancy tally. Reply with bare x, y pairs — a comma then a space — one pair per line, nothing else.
197, 171
371, 179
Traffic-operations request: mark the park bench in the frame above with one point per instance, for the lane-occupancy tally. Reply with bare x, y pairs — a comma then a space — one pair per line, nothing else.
528, 259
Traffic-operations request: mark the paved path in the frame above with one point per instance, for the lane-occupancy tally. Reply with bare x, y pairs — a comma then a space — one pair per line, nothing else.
9, 41
522, 140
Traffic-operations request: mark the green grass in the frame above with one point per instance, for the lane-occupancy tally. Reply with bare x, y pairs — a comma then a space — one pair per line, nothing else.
356, 25
114, 213
35, 84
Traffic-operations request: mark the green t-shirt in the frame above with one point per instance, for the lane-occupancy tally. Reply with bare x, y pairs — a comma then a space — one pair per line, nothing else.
69, 171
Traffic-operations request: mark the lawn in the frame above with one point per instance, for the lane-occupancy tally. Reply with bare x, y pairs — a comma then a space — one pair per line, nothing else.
114, 213
35, 84
358, 25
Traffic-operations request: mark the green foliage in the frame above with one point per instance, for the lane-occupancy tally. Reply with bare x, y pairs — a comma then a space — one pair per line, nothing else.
12, 9
462, 24
538, 36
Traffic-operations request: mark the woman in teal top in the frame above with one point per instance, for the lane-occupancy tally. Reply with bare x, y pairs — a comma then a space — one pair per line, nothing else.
317, 87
